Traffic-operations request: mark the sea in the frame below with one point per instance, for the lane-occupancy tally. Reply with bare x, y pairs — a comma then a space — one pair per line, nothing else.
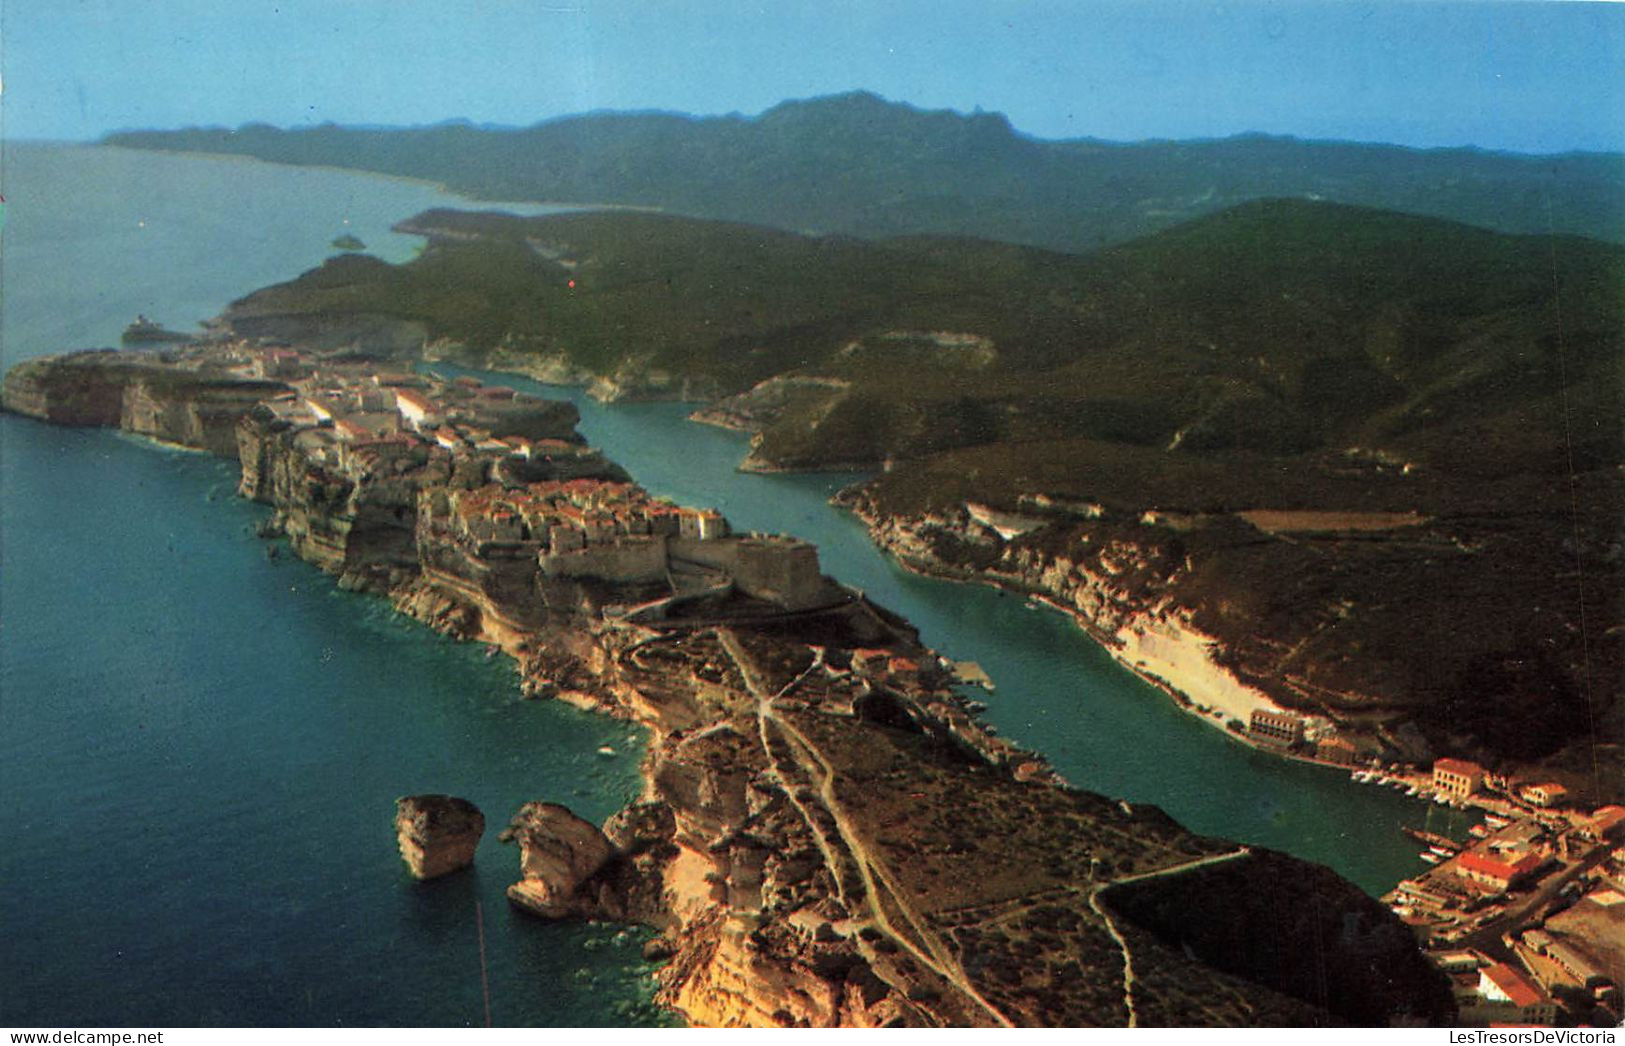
201, 740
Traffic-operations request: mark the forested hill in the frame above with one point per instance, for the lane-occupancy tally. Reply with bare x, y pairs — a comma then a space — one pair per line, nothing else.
859, 165
1276, 327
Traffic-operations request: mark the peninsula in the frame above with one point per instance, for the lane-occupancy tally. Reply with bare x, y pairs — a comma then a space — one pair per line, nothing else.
828, 835
1354, 468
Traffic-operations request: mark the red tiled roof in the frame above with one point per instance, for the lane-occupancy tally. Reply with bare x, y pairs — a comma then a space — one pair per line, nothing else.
1457, 766
1514, 985
1496, 868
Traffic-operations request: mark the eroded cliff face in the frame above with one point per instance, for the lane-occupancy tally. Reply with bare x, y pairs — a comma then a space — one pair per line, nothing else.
376, 334
558, 853
1395, 624
1137, 586
359, 524
138, 393
828, 839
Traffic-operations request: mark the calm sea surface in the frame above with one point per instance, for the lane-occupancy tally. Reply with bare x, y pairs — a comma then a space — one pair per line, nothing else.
200, 746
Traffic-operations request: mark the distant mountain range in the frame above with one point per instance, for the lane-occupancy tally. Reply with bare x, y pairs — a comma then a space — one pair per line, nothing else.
859, 165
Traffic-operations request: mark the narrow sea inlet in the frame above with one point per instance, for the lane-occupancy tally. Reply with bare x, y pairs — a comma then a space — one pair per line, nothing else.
200, 746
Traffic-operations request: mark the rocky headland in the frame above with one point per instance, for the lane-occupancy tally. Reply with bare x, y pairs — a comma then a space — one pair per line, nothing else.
828, 835
139, 393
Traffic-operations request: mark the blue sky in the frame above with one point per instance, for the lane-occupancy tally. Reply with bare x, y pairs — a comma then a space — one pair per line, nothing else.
1535, 76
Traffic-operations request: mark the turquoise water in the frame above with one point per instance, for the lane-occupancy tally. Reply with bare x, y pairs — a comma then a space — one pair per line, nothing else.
200, 747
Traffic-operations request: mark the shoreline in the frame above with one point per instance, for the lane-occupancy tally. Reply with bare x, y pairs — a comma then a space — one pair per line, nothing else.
1181, 700
405, 179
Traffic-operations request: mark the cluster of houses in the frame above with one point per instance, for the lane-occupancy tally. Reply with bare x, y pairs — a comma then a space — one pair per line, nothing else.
1520, 916
542, 500
344, 407
617, 533
564, 516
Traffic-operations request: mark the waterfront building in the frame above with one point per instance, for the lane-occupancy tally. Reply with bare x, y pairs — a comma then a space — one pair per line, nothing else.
1336, 750
1547, 794
1281, 728
1457, 778
1501, 983
1498, 873
712, 525
705, 524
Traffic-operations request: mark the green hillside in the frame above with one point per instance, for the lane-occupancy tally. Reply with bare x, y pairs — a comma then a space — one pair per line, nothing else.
1277, 327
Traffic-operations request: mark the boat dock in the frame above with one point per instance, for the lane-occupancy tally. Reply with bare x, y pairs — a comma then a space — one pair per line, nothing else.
972, 674
1432, 839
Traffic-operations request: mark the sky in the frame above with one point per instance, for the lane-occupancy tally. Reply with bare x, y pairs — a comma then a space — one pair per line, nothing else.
1535, 76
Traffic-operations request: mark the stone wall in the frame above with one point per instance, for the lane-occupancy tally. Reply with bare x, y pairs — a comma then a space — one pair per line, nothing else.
780, 570
631, 558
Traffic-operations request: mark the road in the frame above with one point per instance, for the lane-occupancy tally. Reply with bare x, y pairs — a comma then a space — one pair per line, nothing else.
923, 944
844, 848
1111, 924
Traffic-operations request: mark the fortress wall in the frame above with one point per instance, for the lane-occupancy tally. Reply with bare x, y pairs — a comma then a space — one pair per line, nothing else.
629, 559
783, 571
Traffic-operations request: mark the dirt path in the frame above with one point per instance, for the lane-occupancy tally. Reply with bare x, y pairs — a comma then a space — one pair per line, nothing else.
1111, 924
929, 949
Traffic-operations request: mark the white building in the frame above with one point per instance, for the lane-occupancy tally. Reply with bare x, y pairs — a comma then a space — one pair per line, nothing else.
416, 409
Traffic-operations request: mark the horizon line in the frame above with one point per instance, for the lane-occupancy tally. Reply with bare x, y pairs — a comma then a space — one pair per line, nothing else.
494, 127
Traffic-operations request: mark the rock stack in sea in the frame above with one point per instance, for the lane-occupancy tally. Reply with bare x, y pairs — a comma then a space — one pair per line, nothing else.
558, 852
437, 834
